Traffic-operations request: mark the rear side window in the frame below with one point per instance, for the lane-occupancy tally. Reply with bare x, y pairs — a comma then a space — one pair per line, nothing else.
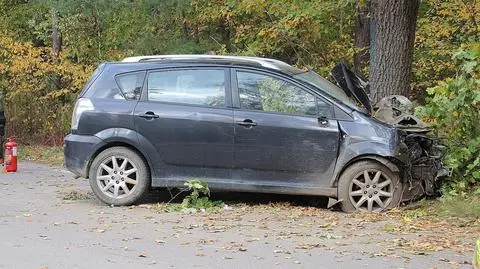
131, 85
204, 87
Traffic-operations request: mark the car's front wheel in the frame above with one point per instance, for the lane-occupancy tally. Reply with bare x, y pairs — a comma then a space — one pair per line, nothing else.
119, 176
369, 186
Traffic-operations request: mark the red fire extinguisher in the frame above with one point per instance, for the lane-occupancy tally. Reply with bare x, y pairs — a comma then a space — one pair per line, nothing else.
11, 155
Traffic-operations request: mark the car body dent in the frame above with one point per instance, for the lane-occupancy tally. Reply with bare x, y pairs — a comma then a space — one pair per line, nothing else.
364, 138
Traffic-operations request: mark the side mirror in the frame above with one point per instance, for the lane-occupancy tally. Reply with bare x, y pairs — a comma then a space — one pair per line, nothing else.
323, 121
131, 96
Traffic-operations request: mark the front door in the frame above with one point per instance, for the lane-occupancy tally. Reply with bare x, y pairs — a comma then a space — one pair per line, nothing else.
185, 116
283, 132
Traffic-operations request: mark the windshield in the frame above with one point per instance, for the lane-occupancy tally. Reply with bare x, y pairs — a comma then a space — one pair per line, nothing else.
329, 88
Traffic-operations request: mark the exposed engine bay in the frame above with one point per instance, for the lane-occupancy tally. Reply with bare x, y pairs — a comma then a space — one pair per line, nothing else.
422, 154
419, 153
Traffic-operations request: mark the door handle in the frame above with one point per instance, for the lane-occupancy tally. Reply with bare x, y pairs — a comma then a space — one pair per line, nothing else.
149, 115
247, 123
323, 121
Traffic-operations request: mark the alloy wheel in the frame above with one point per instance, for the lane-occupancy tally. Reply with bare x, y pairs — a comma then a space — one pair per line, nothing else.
371, 191
117, 177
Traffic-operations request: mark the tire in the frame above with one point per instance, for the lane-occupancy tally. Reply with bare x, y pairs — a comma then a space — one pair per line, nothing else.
124, 185
375, 193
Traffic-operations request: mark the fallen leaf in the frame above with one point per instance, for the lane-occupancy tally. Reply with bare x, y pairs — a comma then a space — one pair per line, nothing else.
308, 246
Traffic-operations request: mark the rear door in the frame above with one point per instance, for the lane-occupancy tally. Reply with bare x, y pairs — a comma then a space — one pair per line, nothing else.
186, 114
283, 132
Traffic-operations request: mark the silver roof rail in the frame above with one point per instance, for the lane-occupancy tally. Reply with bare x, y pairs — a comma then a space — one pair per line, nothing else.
265, 62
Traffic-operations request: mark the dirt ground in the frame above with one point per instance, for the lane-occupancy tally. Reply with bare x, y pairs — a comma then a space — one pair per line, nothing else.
50, 220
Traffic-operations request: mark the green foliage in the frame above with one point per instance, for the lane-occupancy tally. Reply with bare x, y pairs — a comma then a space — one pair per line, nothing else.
443, 26
453, 107
199, 198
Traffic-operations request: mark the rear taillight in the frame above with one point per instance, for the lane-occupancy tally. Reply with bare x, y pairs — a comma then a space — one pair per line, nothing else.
82, 105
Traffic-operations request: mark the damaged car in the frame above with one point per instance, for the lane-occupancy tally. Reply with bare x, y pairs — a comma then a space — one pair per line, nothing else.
247, 124
419, 155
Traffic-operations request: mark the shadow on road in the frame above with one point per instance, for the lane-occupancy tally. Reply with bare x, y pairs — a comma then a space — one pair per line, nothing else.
164, 196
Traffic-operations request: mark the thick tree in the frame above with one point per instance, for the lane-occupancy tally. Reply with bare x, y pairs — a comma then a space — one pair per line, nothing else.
56, 34
394, 24
362, 34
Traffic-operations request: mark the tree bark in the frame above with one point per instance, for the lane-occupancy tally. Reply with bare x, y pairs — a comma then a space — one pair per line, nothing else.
56, 34
394, 24
362, 34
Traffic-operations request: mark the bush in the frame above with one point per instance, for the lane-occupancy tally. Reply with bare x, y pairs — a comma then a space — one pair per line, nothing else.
199, 198
453, 108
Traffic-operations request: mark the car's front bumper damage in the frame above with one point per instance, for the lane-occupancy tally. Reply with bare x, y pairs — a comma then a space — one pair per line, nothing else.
422, 164
420, 154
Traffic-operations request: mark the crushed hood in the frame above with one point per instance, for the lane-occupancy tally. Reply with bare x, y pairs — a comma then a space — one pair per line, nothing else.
353, 85
396, 110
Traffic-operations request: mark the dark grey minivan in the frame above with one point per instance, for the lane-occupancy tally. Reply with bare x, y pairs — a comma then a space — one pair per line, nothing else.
239, 123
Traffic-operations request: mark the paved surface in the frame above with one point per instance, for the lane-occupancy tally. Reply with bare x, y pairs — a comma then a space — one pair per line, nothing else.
47, 222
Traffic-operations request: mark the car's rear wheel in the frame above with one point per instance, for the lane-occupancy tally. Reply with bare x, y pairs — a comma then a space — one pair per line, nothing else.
119, 176
369, 186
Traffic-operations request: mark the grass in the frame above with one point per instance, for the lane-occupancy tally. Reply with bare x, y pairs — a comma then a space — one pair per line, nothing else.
458, 206
41, 154
444, 207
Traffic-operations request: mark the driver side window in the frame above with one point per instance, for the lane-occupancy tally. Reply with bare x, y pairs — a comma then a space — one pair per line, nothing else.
270, 94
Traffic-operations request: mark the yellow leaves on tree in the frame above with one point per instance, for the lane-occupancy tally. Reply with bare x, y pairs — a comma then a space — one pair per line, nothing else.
28, 69
40, 89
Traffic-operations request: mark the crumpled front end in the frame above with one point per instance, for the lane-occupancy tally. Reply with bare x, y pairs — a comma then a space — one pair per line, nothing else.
423, 167
421, 154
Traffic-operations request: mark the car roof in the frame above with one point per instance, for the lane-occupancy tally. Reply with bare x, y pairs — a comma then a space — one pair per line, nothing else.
217, 59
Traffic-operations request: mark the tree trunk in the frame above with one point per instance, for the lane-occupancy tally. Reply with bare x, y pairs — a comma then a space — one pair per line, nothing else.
362, 35
394, 23
56, 34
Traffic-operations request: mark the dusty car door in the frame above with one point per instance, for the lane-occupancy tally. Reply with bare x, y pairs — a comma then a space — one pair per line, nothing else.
186, 116
283, 132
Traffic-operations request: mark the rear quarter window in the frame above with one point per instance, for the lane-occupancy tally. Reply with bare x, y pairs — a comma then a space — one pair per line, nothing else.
131, 84
105, 88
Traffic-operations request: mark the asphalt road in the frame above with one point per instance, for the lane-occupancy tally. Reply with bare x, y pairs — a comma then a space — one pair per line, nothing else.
47, 220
